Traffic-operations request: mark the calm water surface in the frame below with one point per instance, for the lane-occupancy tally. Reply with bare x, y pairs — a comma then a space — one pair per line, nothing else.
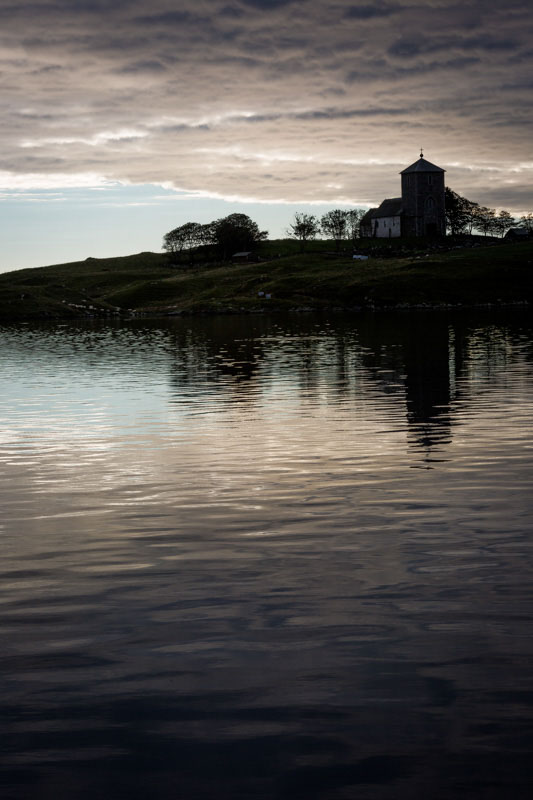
267, 558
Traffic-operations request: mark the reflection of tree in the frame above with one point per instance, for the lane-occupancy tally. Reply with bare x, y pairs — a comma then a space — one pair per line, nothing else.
217, 355
403, 355
418, 366
421, 362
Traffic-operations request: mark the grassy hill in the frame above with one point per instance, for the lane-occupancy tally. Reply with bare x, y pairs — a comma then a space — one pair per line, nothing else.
396, 274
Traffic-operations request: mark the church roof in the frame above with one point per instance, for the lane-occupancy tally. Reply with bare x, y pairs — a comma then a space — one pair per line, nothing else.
368, 216
389, 208
422, 166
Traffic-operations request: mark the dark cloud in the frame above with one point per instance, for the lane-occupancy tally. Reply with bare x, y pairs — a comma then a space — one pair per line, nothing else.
412, 47
425, 68
522, 84
396, 74
170, 18
372, 11
523, 58
352, 113
232, 12
143, 66
267, 5
64, 8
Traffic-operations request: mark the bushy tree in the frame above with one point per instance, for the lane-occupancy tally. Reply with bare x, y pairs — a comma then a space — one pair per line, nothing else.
460, 213
334, 225
464, 216
230, 234
236, 232
187, 237
304, 227
182, 237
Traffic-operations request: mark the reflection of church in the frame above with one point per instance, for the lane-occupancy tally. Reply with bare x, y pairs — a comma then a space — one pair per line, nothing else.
428, 380
415, 356
418, 212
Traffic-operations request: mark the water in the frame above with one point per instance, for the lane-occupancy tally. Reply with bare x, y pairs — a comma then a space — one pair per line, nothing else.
267, 558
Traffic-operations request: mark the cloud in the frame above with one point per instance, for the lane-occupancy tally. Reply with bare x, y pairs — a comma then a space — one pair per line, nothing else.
51, 180
100, 138
372, 11
149, 65
265, 100
169, 18
411, 47
268, 5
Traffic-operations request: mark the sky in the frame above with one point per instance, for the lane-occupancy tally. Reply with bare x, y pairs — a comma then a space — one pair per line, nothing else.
122, 119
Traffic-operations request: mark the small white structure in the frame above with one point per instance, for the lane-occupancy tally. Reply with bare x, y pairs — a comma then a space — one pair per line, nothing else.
384, 222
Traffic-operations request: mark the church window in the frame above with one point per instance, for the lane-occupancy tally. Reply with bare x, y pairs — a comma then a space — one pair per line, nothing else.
430, 203
430, 180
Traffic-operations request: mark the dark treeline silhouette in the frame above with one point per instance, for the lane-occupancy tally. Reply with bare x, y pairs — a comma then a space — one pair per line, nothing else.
226, 236
466, 216
340, 225
237, 233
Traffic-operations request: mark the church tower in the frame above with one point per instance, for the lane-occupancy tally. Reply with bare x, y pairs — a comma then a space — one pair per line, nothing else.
423, 199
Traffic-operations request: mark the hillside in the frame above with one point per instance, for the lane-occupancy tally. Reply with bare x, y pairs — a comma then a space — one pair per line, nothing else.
392, 276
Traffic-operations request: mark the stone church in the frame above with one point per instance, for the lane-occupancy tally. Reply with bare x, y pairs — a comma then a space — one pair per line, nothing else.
418, 212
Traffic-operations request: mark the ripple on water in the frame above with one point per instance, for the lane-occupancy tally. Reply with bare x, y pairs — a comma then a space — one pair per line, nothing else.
267, 558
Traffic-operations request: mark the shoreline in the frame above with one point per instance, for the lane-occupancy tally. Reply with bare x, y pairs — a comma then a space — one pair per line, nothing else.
273, 311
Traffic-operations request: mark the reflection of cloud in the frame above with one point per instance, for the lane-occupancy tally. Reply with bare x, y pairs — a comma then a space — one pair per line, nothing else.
86, 84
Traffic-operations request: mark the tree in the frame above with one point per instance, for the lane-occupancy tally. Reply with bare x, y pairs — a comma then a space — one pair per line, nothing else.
463, 216
460, 212
185, 237
485, 220
527, 222
304, 228
470, 214
353, 222
334, 225
236, 232
503, 222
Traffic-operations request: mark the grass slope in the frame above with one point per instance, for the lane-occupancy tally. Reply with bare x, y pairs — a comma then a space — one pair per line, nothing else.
147, 283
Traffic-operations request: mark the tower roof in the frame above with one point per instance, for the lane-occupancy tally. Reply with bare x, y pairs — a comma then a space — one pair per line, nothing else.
422, 166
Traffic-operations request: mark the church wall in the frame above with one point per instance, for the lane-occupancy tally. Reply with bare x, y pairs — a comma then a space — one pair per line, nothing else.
387, 227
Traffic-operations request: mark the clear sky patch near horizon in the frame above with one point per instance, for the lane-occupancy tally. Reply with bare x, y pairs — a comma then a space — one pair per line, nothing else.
122, 120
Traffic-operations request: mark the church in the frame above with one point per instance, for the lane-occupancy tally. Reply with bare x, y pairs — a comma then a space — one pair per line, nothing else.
418, 212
